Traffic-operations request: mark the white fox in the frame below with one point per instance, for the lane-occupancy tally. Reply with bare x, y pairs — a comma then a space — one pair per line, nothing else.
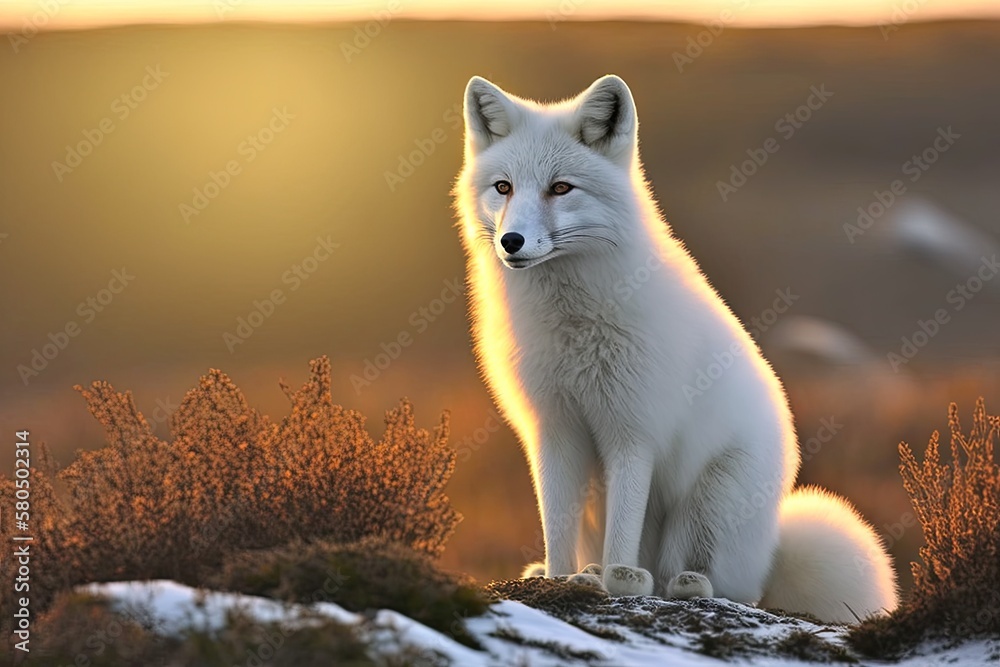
658, 488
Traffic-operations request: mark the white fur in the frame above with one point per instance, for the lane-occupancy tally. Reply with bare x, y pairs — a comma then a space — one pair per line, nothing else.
587, 337
687, 585
588, 580
533, 570
823, 543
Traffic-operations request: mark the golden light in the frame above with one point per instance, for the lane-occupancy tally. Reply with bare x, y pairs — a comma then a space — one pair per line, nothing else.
18, 15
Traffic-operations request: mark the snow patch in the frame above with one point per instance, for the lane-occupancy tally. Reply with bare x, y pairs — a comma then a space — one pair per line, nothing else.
639, 632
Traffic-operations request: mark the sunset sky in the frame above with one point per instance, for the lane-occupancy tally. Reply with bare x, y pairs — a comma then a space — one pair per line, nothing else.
20, 15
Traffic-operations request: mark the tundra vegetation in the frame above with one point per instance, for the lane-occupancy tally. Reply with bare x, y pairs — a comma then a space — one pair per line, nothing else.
313, 508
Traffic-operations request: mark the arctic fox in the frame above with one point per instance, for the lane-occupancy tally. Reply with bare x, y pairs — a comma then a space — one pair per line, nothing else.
590, 319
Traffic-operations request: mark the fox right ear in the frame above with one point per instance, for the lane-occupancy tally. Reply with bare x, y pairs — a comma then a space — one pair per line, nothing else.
489, 114
607, 119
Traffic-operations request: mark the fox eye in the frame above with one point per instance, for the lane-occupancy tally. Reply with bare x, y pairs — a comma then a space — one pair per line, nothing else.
503, 187
561, 188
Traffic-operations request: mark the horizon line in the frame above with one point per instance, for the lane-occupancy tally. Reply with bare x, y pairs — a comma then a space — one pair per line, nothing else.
29, 16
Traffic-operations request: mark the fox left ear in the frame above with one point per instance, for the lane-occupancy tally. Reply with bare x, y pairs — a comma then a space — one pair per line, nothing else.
490, 114
607, 119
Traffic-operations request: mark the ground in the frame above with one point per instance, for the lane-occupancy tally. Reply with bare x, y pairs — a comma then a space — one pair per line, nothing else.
571, 627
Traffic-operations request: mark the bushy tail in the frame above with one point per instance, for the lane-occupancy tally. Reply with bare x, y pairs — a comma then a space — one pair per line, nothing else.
829, 561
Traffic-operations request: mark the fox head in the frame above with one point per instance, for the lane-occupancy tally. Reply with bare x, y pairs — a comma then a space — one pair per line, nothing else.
542, 181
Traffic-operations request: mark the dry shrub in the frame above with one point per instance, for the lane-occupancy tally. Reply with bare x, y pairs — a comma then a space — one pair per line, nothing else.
956, 592
231, 479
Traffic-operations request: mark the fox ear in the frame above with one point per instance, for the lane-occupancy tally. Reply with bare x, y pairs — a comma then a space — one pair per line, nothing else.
607, 119
490, 114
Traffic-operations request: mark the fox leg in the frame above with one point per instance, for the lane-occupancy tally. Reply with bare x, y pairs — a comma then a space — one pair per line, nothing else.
561, 469
629, 477
590, 545
718, 541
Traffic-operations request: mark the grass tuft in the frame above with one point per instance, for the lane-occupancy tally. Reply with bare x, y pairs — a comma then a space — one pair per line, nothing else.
366, 575
557, 597
808, 646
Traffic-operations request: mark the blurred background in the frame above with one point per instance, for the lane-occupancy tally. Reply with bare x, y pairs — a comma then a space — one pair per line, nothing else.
221, 191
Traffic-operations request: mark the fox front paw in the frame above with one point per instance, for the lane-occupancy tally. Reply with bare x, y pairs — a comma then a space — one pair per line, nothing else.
687, 585
592, 568
533, 570
587, 579
625, 580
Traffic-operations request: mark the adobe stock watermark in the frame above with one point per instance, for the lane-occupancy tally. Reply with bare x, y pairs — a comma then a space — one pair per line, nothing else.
424, 148
30, 25
902, 12
626, 287
248, 150
697, 44
892, 533
273, 635
889, 534
595, 492
956, 298
767, 493
121, 108
563, 12
87, 311
294, 277
984, 621
224, 7
363, 35
786, 126
102, 639
722, 361
471, 443
419, 321
161, 414
914, 168
828, 429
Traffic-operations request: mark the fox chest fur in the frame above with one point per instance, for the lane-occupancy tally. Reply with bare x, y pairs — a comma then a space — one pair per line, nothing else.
575, 346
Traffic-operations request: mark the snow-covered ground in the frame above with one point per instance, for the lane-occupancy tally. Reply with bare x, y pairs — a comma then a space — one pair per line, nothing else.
628, 631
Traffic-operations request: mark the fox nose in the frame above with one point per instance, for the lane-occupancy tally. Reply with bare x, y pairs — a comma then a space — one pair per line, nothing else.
512, 242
